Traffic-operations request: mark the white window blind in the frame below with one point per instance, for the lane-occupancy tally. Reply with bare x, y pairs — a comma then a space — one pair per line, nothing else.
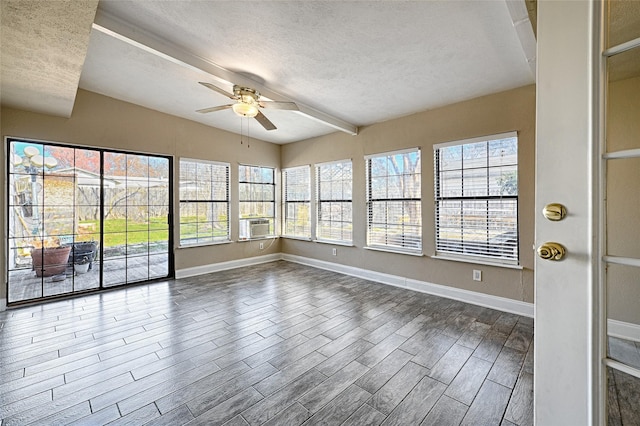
296, 184
257, 199
204, 202
334, 201
476, 197
394, 218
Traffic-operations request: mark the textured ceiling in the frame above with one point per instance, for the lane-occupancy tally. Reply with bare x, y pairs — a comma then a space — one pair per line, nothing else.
624, 26
44, 44
346, 63
624, 21
362, 61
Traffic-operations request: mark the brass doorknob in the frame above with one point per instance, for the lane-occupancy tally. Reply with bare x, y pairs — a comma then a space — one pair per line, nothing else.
551, 251
554, 211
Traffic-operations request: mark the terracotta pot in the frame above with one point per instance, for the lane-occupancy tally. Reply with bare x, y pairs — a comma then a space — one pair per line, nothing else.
50, 261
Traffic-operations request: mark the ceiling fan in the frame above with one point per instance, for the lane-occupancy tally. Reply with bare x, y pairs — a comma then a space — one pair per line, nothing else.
248, 104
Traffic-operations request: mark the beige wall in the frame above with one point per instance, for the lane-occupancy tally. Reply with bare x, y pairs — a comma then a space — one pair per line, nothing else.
99, 121
623, 200
498, 113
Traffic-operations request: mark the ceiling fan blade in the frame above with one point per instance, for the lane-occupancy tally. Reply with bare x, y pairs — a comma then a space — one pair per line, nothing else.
264, 121
217, 89
215, 108
290, 106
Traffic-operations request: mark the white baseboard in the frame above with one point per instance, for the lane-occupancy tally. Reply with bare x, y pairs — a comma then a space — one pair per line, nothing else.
620, 329
623, 330
223, 266
481, 299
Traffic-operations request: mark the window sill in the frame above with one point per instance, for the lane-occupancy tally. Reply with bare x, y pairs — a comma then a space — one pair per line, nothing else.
268, 237
335, 243
391, 250
293, 237
217, 243
477, 261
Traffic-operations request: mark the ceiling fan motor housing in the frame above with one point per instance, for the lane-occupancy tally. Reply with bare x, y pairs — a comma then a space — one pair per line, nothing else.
246, 94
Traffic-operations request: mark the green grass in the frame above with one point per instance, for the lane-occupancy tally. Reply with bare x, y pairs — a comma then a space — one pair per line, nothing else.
118, 232
190, 225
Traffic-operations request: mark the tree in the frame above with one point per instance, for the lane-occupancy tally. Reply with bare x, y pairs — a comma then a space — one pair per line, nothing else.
508, 183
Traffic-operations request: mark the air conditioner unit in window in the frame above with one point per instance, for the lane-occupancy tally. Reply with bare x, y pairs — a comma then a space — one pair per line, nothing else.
258, 228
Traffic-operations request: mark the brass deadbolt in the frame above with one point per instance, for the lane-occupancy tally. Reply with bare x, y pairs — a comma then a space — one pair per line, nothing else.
554, 211
551, 251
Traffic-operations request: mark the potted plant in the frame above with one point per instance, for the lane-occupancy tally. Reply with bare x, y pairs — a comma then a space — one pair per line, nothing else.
49, 258
81, 264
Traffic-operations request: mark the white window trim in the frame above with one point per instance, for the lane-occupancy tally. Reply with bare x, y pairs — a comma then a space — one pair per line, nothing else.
389, 249
217, 243
294, 237
396, 152
335, 242
329, 163
476, 260
197, 160
506, 135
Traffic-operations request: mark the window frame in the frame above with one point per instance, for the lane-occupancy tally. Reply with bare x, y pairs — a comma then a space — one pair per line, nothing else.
182, 201
272, 219
416, 237
286, 202
460, 254
320, 202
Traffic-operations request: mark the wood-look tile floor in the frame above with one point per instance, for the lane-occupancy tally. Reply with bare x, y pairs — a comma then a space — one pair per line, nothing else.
274, 344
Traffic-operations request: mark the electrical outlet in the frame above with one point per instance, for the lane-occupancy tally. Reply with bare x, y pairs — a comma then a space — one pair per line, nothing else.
477, 275
261, 246
334, 251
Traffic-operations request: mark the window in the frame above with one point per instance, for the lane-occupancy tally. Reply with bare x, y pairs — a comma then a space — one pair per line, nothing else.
476, 197
333, 198
393, 201
257, 202
296, 195
204, 202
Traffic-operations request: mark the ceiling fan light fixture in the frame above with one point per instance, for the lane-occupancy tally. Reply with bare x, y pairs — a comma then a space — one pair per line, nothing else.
245, 109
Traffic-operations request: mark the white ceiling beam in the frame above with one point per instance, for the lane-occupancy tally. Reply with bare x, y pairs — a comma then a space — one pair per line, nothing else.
524, 30
121, 30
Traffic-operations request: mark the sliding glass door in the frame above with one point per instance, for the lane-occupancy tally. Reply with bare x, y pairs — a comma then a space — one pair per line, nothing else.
136, 213
83, 219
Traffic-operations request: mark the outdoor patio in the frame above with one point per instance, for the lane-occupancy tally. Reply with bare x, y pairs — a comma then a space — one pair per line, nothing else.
25, 285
